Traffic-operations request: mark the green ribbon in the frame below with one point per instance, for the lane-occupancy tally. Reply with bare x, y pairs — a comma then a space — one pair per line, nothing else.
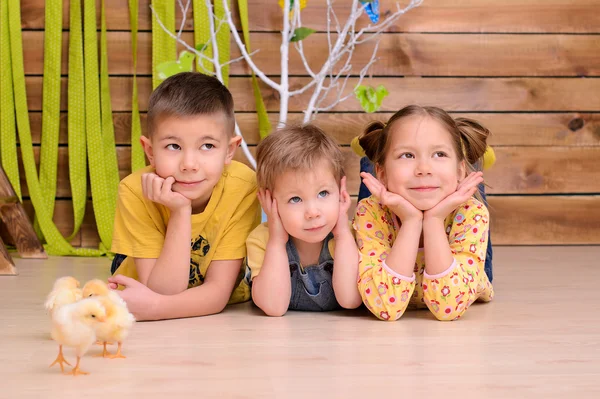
12, 47
76, 117
223, 37
51, 105
264, 125
163, 46
138, 160
101, 151
8, 149
202, 35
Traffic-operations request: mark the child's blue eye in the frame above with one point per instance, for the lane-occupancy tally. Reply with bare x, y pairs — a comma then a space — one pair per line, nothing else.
173, 147
294, 200
440, 154
406, 155
323, 194
207, 146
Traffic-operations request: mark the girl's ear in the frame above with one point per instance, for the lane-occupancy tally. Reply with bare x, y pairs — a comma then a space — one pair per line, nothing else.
380, 173
147, 146
462, 170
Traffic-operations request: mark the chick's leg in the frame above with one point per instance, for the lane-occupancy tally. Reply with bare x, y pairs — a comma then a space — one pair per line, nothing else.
60, 359
104, 353
118, 354
76, 370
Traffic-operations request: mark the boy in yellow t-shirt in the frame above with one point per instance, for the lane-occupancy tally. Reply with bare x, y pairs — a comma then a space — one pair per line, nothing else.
182, 222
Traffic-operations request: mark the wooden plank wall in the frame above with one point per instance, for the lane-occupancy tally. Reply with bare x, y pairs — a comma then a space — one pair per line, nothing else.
528, 69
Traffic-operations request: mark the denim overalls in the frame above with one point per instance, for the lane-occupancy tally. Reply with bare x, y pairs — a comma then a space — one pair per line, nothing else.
312, 287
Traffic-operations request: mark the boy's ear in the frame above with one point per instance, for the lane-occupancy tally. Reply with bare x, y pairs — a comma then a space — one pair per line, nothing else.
234, 143
147, 146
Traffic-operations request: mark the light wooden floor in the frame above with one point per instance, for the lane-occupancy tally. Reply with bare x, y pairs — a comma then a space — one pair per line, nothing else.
540, 338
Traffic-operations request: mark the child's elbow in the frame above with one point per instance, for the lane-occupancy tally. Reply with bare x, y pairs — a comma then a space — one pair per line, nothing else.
350, 303
269, 308
275, 312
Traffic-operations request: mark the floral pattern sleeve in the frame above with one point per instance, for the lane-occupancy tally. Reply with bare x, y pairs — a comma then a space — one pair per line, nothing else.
385, 293
450, 293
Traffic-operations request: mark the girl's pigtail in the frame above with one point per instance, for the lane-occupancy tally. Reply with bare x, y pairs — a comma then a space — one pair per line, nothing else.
473, 138
371, 141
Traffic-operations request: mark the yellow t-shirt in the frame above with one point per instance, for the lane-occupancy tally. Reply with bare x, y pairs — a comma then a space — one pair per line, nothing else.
218, 233
256, 244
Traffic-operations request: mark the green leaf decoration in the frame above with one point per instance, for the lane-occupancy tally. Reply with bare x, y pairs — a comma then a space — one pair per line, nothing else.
201, 47
170, 68
301, 34
370, 99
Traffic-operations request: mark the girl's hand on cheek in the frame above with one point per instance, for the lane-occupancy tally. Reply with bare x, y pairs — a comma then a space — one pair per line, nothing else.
465, 190
398, 204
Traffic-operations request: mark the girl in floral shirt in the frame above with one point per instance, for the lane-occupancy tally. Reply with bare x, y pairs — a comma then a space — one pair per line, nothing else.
422, 236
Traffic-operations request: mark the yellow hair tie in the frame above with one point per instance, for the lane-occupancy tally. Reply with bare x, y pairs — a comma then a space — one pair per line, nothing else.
489, 158
357, 148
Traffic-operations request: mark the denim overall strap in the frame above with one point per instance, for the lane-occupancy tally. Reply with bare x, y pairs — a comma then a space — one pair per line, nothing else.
312, 288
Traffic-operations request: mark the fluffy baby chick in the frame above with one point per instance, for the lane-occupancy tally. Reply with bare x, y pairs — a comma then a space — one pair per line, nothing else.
118, 319
65, 291
73, 326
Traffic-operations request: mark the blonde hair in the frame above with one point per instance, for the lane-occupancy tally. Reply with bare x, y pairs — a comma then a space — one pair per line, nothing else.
295, 148
469, 137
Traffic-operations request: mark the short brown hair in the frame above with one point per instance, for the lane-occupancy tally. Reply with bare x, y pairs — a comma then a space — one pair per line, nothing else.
296, 147
190, 94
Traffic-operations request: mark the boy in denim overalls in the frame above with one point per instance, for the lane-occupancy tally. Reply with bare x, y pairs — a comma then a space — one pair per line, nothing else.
302, 189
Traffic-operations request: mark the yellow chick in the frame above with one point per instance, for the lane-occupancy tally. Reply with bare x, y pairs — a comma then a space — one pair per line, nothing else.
73, 326
118, 319
65, 291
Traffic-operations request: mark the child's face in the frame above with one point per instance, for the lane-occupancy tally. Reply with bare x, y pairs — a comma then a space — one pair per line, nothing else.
308, 202
194, 150
421, 164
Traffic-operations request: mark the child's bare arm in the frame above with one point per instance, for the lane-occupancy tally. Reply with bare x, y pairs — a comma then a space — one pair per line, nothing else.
437, 250
403, 254
345, 267
345, 272
272, 288
209, 298
169, 274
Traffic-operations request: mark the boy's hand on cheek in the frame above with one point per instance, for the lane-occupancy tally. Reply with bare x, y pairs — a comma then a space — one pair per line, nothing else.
397, 204
277, 232
342, 225
465, 190
160, 190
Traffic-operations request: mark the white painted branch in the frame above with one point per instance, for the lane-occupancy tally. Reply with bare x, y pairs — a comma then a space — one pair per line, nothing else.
245, 149
245, 54
182, 42
380, 27
299, 46
333, 53
284, 49
213, 40
219, 72
184, 13
362, 74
